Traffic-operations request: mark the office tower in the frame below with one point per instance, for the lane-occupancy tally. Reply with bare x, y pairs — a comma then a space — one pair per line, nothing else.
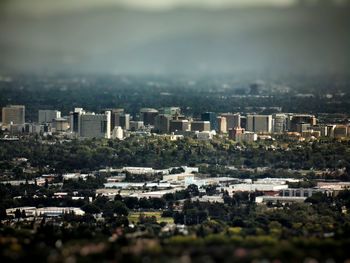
136, 125
279, 122
119, 118
13, 114
200, 126
322, 129
222, 124
162, 123
294, 119
148, 116
36, 128
115, 117
95, 125
302, 127
124, 121
233, 120
173, 111
60, 124
75, 120
243, 120
47, 116
179, 125
211, 117
259, 123
233, 133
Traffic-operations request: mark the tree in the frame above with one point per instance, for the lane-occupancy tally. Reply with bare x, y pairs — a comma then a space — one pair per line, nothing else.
18, 214
193, 190
91, 209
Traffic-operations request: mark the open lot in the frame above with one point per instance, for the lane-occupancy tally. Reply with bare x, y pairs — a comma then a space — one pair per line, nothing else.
134, 216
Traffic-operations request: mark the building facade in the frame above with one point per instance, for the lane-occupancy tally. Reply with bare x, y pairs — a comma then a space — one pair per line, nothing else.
200, 126
13, 114
211, 117
233, 120
95, 125
259, 123
47, 116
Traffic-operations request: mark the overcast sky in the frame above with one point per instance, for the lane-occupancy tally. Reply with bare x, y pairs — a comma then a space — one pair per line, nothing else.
49, 6
99, 36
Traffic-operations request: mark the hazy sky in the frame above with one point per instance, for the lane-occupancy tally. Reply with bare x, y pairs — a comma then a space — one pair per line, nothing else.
99, 36
49, 6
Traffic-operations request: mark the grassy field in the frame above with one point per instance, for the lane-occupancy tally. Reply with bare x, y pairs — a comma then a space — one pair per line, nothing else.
134, 217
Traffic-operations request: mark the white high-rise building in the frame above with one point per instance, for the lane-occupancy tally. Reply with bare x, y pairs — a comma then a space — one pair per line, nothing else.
95, 125
46, 116
259, 123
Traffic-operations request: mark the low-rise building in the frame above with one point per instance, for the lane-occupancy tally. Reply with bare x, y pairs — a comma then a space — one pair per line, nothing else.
279, 199
246, 137
205, 135
260, 187
45, 211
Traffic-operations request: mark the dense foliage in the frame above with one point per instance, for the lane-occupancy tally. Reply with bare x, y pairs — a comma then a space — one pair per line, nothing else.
160, 152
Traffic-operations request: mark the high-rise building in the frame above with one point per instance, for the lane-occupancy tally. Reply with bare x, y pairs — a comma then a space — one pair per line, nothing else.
148, 116
47, 116
60, 124
233, 133
294, 119
136, 125
233, 120
302, 127
211, 117
75, 120
179, 125
13, 114
222, 124
279, 122
322, 129
115, 117
259, 123
124, 121
119, 118
243, 122
95, 125
200, 126
162, 123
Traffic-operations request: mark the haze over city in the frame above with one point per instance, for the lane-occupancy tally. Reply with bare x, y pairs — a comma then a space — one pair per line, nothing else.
174, 37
